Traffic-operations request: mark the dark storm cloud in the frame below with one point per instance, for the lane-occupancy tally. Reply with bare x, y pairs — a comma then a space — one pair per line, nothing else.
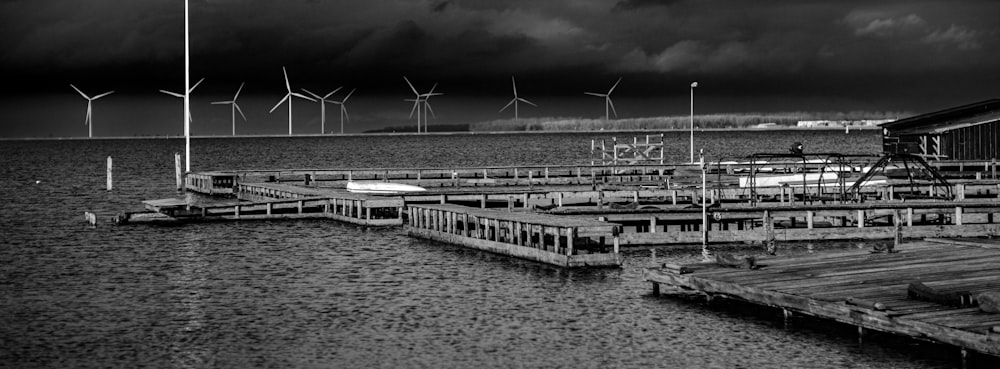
565, 41
627, 5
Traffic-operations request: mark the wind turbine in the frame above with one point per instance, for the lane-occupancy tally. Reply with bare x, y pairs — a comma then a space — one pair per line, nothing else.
343, 109
174, 94
422, 98
416, 102
89, 122
427, 105
607, 101
235, 108
322, 107
516, 99
288, 96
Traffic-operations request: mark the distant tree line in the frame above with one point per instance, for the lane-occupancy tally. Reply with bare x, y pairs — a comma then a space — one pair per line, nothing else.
709, 121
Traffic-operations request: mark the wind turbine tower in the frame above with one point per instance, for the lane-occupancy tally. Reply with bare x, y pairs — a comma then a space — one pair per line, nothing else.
343, 109
288, 96
421, 98
416, 102
187, 111
516, 99
322, 107
235, 107
609, 107
89, 122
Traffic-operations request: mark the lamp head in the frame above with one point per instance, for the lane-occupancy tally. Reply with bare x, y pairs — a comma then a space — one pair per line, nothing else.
694, 84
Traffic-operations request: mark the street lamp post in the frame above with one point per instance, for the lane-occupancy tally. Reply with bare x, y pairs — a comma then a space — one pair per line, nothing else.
693, 85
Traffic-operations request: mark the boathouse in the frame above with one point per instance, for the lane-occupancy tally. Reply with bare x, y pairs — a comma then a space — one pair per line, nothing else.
967, 132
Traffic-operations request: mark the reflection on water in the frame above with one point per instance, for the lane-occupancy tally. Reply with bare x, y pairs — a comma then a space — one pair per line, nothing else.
319, 294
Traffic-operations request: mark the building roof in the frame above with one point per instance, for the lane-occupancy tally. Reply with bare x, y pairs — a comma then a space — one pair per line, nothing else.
948, 119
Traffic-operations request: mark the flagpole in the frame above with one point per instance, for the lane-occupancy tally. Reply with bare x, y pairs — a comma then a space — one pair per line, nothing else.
187, 93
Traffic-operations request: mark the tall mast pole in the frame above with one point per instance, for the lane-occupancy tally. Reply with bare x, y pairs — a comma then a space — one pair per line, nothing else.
187, 93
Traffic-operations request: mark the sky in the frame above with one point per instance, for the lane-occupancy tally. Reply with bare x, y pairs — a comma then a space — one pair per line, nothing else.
759, 56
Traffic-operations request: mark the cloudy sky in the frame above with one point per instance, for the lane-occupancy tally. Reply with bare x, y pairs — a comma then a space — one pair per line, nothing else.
747, 56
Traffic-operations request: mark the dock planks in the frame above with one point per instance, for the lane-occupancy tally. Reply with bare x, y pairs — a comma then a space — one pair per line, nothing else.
821, 284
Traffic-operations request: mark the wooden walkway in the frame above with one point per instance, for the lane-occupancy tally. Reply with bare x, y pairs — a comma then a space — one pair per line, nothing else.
821, 285
279, 201
561, 241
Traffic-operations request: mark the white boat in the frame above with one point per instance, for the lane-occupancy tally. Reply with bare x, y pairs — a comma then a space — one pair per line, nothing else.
382, 187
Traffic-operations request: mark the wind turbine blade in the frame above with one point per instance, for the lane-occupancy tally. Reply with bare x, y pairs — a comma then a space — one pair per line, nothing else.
431, 92
238, 91
414, 108
296, 94
196, 85
616, 85
332, 92
222, 102
288, 86
595, 94
612, 105
527, 102
508, 104
311, 93
512, 83
344, 108
103, 95
427, 106
81, 92
237, 106
171, 93
411, 86
280, 102
348, 96
427, 95
87, 122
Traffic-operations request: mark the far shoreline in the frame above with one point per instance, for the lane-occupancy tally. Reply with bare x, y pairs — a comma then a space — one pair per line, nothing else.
445, 133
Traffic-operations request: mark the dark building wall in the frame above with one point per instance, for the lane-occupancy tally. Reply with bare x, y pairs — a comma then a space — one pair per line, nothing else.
951, 134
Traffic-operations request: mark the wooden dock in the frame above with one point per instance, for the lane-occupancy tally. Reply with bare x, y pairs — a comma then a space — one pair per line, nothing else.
775, 222
344, 207
864, 289
561, 241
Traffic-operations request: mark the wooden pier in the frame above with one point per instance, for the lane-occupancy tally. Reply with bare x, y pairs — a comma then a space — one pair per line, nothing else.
561, 241
776, 222
344, 207
868, 290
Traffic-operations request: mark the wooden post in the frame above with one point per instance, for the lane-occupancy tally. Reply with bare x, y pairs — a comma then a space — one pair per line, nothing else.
177, 171
958, 215
809, 218
769, 243
861, 218
109, 173
652, 224
482, 201
909, 217
569, 241
898, 237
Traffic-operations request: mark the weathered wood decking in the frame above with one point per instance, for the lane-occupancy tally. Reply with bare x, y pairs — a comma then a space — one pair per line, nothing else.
562, 241
774, 222
821, 285
278, 201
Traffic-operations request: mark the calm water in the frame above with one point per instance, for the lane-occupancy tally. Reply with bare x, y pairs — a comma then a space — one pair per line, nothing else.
319, 294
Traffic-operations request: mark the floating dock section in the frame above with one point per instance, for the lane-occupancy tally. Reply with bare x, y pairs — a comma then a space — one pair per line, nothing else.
561, 241
867, 290
344, 207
